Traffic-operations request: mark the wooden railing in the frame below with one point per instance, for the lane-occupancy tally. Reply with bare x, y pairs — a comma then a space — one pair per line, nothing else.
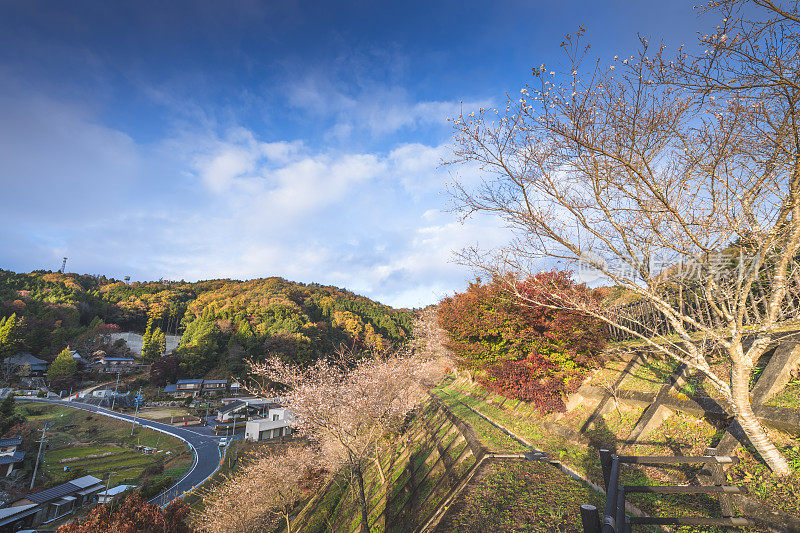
615, 520
644, 318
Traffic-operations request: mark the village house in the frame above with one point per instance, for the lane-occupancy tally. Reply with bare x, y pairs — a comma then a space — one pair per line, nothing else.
9, 456
189, 386
115, 364
25, 361
50, 504
214, 385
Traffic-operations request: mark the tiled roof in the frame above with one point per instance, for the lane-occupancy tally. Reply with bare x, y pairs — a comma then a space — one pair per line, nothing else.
25, 359
11, 441
171, 388
189, 381
13, 458
86, 481
62, 490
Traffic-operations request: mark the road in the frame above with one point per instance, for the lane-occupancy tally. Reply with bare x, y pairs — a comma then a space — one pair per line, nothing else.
206, 449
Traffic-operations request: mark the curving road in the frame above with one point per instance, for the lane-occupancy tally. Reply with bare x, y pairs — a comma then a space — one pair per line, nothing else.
206, 449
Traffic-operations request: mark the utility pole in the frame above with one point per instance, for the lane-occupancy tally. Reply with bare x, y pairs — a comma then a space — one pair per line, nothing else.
38, 455
136, 412
108, 484
114, 399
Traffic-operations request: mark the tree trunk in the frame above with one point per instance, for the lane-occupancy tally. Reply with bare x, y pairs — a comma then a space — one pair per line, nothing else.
743, 409
362, 497
378, 463
288, 523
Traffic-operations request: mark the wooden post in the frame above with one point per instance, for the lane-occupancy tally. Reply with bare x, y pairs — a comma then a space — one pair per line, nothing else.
718, 478
605, 462
590, 519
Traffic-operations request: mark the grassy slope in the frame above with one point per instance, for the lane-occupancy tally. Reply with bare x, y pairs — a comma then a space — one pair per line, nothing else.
519, 496
412, 456
680, 434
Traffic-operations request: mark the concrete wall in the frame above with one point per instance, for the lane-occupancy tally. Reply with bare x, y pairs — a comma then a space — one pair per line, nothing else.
134, 341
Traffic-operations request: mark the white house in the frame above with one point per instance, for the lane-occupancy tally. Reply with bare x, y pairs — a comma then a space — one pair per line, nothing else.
277, 423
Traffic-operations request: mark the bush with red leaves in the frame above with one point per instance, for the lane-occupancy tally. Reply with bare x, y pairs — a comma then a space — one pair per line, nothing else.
133, 515
521, 350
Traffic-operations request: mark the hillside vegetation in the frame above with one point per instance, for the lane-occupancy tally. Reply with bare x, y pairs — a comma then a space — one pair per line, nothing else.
223, 322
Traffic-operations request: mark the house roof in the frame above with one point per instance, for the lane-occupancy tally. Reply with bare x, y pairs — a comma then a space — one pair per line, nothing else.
11, 441
85, 481
117, 358
116, 490
52, 493
90, 489
189, 381
25, 359
205, 381
7, 512
171, 388
12, 458
59, 491
233, 406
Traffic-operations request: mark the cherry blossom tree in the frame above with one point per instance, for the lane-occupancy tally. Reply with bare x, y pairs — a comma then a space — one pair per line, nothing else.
262, 493
348, 404
676, 178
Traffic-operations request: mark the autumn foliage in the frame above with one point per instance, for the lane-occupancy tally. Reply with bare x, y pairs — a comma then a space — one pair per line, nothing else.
535, 353
133, 515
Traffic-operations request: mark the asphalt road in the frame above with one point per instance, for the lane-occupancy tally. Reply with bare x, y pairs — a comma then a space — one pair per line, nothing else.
206, 449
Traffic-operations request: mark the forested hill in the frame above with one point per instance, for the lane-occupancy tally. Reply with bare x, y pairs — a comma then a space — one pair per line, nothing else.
223, 322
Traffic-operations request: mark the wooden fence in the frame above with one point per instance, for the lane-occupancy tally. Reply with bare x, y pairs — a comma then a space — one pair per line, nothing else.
616, 521
644, 318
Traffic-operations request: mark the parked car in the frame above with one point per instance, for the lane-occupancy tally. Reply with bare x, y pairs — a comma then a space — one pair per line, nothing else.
223, 441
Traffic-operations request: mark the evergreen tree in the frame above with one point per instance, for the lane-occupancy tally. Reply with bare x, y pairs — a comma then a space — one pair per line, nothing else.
10, 336
148, 336
63, 366
159, 342
155, 345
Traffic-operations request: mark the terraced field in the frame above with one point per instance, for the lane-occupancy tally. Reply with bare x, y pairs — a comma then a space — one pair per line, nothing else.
99, 446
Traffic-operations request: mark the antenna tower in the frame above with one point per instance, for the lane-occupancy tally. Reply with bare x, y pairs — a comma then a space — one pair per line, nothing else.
63, 265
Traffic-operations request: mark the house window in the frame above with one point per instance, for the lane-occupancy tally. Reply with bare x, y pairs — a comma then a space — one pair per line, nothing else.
275, 417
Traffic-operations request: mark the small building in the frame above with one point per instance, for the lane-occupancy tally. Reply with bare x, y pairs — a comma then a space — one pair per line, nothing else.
171, 389
214, 385
79, 358
108, 495
277, 423
10, 457
115, 364
57, 502
12, 518
25, 360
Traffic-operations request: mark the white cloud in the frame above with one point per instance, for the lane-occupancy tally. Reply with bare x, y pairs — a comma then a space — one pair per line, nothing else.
198, 206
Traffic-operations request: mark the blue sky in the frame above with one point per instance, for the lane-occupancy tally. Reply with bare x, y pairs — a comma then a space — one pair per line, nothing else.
204, 139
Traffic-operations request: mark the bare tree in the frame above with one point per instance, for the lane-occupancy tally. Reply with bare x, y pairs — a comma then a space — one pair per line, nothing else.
348, 405
263, 493
676, 179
